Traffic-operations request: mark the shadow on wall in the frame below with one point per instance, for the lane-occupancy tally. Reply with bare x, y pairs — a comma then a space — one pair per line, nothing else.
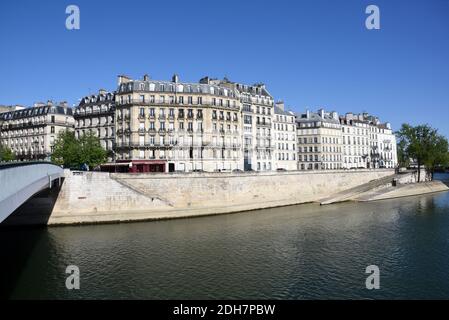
26, 224
36, 210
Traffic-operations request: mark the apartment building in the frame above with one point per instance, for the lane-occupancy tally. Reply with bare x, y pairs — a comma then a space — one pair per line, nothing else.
385, 155
257, 106
356, 136
285, 138
367, 143
96, 114
175, 126
319, 140
31, 132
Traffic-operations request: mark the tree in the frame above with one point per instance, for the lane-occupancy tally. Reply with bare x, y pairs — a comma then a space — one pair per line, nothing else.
92, 153
6, 154
67, 150
423, 144
72, 152
439, 156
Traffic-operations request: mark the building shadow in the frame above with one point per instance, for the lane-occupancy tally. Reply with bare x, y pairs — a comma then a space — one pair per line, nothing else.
36, 210
20, 233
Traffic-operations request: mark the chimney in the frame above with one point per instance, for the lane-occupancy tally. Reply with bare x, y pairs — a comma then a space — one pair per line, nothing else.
146, 77
334, 115
102, 91
308, 113
349, 116
123, 79
205, 80
280, 105
49, 103
175, 78
321, 112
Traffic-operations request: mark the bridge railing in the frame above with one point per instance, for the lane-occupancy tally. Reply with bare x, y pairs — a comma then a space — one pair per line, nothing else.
6, 165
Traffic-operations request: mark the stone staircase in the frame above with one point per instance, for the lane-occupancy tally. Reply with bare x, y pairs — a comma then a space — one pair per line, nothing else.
353, 193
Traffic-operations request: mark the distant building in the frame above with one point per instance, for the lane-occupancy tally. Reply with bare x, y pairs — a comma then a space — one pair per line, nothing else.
285, 139
367, 143
319, 140
31, 132
356, 132
4, 108
96, 114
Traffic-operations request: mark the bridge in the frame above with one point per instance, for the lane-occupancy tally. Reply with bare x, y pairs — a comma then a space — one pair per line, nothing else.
19, 181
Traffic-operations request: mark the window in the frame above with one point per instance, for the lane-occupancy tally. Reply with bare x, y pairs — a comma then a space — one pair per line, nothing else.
52, 129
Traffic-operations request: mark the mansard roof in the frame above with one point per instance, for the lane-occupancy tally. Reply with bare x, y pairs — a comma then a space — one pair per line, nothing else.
40, 110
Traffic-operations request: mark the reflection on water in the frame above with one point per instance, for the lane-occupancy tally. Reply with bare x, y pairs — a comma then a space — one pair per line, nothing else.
297, 252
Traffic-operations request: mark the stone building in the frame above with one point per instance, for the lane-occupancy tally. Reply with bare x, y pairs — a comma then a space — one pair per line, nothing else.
285, 139
31, 132
175, 126
95, 113
367, 143
356, 141
319, 140
257, 112
386, 151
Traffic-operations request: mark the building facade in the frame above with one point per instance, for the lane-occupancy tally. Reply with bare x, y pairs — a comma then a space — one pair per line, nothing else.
367, 143
176, 126
356, 136
285, 139
31, 132
257, 109
96, 114
319, 140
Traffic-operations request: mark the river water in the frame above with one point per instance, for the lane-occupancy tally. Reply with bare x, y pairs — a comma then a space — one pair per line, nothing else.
297, 252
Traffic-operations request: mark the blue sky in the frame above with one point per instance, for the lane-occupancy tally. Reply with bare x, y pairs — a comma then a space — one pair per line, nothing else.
309, 53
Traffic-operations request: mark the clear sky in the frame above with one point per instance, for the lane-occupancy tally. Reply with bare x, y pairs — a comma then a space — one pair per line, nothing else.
310, 54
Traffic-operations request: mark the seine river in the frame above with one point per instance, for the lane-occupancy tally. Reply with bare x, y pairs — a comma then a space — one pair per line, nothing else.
297, 252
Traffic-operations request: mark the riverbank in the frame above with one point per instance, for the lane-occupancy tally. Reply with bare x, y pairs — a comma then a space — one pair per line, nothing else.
406, 190
100, 197
96, 197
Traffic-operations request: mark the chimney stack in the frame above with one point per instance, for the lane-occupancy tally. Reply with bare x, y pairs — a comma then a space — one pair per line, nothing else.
146, 77
175, 78
280, 105
123, 79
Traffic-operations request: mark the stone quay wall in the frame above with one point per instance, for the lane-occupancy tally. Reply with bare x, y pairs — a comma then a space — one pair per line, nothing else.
98, 197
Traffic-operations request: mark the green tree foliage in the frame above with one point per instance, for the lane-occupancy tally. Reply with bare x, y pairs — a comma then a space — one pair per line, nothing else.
423, 144
6, 154
72, 152
439, 157
92, 153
